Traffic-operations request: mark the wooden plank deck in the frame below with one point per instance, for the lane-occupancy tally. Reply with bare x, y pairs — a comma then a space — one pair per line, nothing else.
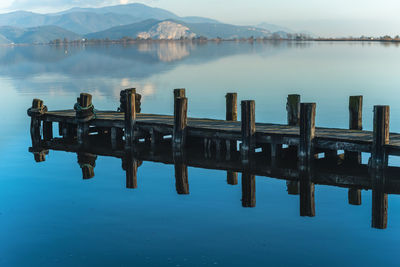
325, 138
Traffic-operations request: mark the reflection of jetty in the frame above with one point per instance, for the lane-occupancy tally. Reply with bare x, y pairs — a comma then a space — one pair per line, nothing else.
291, 152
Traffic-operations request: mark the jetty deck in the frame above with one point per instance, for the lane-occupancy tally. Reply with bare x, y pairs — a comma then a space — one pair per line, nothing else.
325, 138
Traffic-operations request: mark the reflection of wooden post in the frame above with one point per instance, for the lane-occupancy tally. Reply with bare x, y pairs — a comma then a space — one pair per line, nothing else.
130, 119
131, 166
87, 162
354, 196
181, 178
292, 187
379, 200
35, 112
307, 132
180, 123
232, 178
248, 128
379, 157
248, 190
307, 198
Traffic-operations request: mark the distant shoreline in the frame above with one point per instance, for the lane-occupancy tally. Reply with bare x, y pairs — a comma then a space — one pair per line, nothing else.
202, 41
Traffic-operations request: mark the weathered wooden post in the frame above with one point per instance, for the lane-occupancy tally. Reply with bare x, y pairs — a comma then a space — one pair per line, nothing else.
87, 162
180, 123
36, 112
231, 115
123, 99
379, 157
307, 132
84, 113
248, 128
293, 119
378, 163
248, 190
293, 110
355, 123
130, 119
180, 92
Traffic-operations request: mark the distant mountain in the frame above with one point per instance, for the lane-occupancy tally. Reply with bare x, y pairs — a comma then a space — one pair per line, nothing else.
274, 27
172, 29
87, 20
41, 34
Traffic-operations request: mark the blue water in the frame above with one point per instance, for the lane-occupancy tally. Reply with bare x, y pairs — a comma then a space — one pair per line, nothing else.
49, 216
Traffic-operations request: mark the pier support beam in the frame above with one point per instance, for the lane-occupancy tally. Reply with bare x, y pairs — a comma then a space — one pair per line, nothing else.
130, 119
355, 123
123, 99
307, 132
180, 123
248, 128
354, 196
231, 115
47, 130
35, 112
379, 157
84, 113
131, 166
87, 162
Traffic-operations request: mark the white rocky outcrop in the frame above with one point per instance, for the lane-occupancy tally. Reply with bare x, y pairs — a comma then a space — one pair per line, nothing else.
167, 30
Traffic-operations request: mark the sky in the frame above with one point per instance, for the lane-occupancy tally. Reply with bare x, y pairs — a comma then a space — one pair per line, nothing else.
321, 17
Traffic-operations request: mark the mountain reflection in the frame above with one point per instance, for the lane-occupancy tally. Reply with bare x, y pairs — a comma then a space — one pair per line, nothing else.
337, 173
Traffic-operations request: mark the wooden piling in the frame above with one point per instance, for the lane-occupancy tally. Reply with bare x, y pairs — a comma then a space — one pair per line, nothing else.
307, 132
248, 190
379, 157
379, 201
84, 113
248, 128
307, 195
231, 106
355, 123
123, 99
87, 162
130, 119
180, 123
293, 110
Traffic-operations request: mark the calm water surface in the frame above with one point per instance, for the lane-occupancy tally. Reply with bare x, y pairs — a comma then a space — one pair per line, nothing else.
49, 216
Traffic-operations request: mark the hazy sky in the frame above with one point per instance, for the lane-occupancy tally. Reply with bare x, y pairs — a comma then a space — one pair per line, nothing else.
322, 17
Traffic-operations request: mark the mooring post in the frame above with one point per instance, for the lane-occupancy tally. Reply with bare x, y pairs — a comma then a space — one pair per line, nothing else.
84, 113
248, 190
180, 123
307, 132
231, 106
130, 119
293, 110
123, 99
248, 128
35, 112
180, 92
379, 157
355, 123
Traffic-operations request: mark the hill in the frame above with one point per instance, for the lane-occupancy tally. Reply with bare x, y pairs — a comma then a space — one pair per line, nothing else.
172, 29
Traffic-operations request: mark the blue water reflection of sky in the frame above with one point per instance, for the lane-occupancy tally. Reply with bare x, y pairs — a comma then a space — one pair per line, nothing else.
50, 216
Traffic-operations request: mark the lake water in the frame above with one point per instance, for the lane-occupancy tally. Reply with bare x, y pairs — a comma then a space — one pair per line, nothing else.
49, 216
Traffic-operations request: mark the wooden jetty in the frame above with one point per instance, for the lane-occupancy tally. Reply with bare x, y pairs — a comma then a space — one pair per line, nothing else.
263, 147
300, 133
